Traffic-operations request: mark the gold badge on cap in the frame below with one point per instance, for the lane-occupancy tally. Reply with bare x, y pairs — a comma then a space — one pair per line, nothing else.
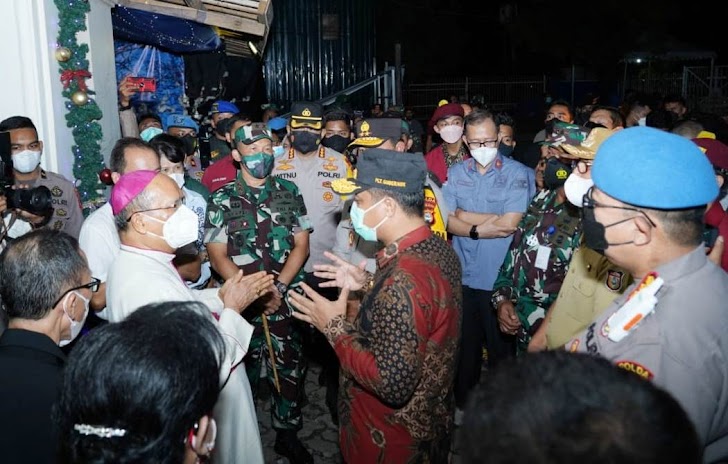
306, 112
364, 130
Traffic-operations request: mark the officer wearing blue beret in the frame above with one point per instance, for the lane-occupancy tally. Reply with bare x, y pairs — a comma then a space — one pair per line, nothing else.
645, 213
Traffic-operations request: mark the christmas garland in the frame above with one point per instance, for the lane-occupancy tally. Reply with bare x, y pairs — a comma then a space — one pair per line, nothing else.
83, 112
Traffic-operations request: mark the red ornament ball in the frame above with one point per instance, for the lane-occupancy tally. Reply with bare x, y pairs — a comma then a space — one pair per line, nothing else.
105, 176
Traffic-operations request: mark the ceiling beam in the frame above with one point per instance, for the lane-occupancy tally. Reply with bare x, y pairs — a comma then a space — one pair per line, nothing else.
226, 21
196, 4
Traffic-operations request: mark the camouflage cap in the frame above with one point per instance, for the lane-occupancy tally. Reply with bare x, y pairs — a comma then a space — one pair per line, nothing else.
564, 133
250, 134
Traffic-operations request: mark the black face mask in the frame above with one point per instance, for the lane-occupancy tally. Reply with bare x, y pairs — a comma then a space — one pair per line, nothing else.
190, 143
505, 150
593, 125
555, 173
222, 127
595, 232
336, 143
549, 126
305, 142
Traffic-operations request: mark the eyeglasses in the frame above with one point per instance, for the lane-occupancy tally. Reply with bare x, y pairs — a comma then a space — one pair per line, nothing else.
486, 143
176, 205
582, 166
93, 286
589, 202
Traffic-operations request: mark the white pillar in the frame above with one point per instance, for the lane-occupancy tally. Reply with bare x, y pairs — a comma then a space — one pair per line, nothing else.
30, 79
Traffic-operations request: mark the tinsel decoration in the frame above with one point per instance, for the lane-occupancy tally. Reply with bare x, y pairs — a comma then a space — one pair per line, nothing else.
81, 118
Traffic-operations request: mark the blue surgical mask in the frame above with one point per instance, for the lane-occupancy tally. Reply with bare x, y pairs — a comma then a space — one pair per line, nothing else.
357, 220
278, 151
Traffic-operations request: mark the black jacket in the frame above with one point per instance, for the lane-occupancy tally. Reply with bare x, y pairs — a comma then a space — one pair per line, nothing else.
31, 370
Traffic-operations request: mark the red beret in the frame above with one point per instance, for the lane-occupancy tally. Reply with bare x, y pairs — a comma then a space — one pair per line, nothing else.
445, 111
715, 150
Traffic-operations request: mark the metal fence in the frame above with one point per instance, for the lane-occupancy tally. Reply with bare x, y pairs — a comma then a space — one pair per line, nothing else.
525, 94
496, 94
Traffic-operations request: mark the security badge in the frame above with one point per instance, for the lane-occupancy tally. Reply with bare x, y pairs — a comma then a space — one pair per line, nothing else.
640, 304
56, 191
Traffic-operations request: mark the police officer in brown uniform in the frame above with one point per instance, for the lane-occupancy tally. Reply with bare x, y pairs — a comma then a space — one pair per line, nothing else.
26, 150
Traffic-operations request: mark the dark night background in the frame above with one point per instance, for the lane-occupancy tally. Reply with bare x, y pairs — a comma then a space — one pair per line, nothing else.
467, 37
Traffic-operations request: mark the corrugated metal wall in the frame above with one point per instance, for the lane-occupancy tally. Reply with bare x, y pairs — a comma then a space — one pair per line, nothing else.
305, 61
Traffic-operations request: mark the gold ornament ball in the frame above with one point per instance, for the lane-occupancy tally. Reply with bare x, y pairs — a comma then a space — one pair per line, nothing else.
79, 98
63, 54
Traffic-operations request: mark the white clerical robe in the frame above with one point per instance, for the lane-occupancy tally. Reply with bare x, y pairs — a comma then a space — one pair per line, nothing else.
139, 277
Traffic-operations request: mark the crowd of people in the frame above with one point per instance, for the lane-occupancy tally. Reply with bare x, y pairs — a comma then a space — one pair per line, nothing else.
584, 274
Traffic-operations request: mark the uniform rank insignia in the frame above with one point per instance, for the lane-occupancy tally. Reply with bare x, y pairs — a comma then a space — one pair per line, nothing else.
330, 164
56, 191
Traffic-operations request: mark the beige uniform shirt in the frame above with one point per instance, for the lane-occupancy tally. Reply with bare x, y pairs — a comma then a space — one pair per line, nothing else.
591, 285
67, 214
313, 175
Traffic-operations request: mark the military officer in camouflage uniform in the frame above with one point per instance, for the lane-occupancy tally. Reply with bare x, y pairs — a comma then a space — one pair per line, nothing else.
592, 281
259, 222
26, 150
537, 260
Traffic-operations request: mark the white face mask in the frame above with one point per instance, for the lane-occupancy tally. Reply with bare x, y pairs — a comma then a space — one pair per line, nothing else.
76, 326
575, 188
451, 133
179, 229
178, 178
26, 161
642, 121
484, 155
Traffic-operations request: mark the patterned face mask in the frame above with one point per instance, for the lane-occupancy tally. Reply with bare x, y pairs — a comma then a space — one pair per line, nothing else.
259, 165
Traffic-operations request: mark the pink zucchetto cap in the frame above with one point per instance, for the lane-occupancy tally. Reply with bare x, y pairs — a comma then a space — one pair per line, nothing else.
128, 187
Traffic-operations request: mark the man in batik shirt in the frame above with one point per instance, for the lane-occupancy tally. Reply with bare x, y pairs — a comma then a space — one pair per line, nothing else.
398, 354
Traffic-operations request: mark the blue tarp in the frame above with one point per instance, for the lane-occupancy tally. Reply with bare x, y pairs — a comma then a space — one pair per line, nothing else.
146, 61
164, 32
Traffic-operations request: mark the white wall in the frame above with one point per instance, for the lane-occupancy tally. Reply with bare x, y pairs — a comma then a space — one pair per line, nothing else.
30, 81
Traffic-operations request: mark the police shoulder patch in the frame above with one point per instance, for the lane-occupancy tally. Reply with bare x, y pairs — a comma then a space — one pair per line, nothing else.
614, 280
636, 368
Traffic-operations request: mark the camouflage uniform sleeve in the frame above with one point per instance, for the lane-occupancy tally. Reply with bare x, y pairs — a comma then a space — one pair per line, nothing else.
505, 283
215, 227
302, 222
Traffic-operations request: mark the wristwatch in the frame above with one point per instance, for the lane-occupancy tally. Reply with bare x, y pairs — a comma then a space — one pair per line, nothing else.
474, 233
281, 287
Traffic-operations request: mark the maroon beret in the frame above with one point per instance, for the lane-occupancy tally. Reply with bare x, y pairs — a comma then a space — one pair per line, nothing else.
445, 111
715, 150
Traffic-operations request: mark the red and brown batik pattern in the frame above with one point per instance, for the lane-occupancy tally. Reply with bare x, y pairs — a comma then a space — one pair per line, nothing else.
398, 356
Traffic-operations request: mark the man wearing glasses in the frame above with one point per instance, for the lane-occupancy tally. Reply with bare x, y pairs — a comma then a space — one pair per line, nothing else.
645, 213
153, 223
45, 286
488, 194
